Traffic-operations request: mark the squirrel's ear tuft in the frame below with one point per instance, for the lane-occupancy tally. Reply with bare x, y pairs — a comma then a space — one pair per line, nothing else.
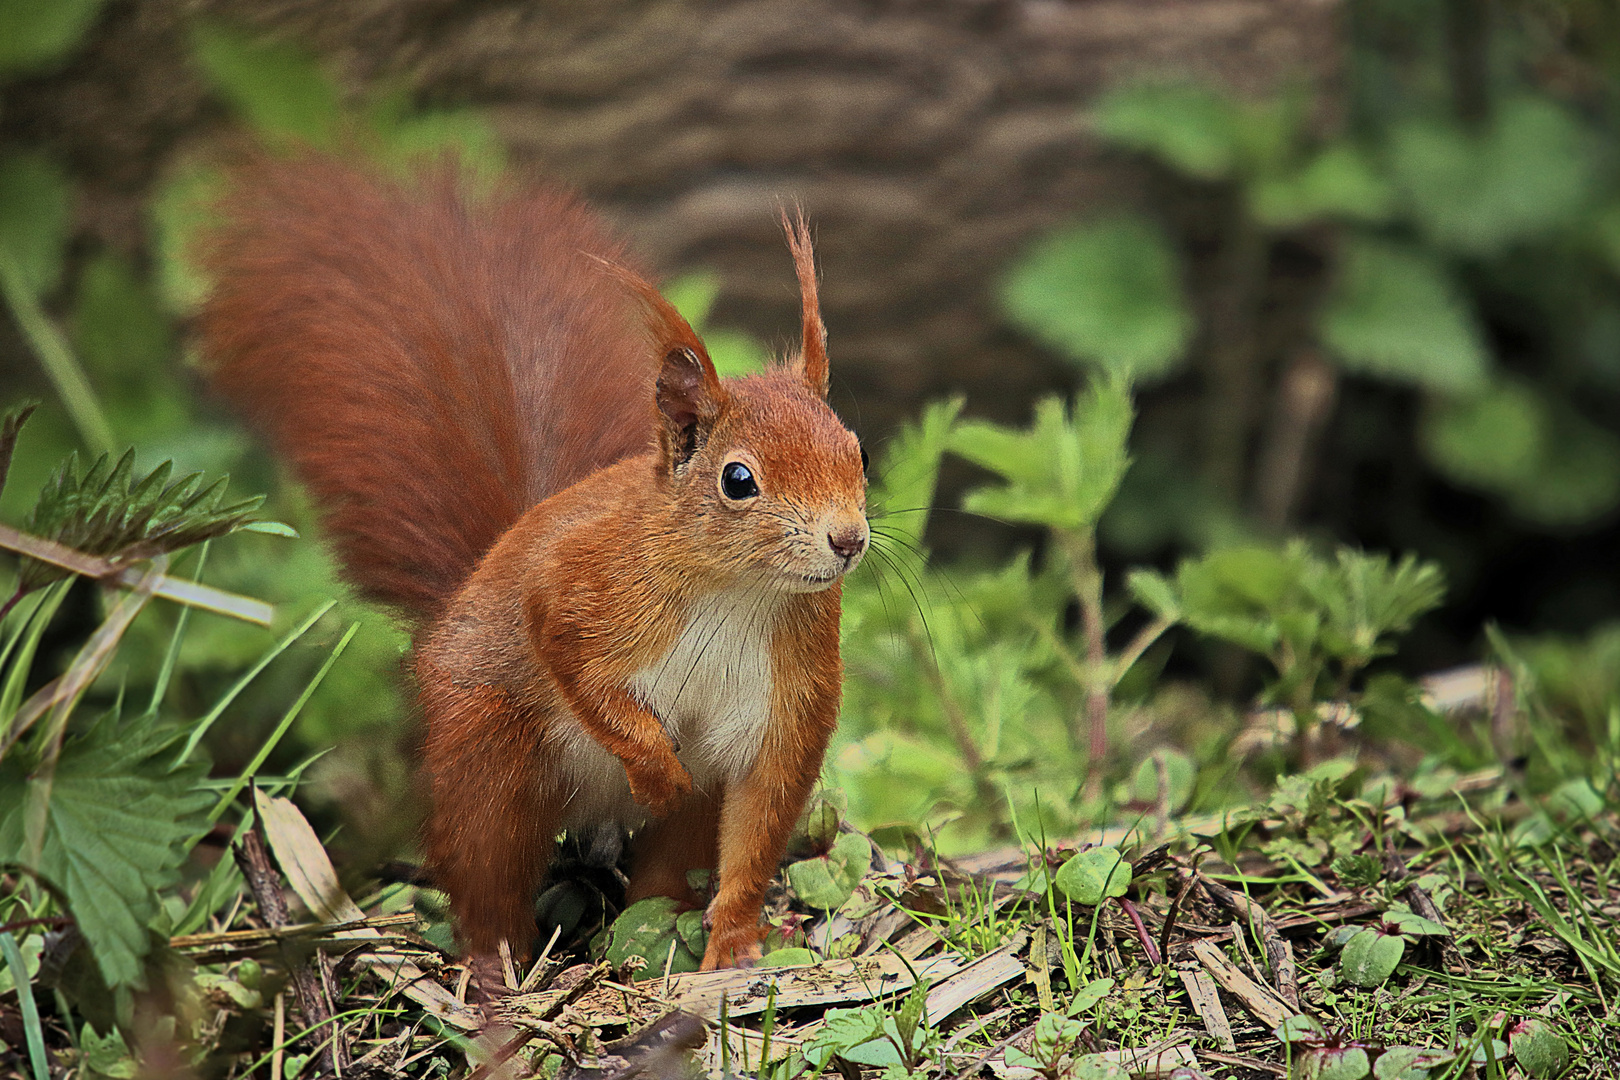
813, 357
689, 393
668, 329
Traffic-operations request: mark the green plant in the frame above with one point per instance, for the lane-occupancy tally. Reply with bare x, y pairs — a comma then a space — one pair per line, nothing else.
1318, 621
100, 804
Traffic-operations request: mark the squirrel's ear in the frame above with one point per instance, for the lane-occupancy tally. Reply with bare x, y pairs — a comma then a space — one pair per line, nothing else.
813, 363
689, 401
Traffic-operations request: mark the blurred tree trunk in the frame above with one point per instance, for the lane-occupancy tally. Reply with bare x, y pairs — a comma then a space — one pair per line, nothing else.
928, 142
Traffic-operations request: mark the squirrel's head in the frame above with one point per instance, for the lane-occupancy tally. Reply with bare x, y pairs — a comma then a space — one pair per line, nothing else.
771, 479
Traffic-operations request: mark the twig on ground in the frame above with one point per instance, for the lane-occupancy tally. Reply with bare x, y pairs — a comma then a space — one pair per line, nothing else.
1279, 953
265, 883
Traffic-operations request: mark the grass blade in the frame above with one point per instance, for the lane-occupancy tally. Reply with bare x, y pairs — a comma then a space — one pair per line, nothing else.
25, 999
286, 722
248, 676
64, 369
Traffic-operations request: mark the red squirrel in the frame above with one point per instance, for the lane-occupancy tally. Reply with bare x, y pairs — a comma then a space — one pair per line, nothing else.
623, 572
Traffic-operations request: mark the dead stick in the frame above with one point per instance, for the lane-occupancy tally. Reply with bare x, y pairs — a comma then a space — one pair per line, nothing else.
265, 883
1279, 954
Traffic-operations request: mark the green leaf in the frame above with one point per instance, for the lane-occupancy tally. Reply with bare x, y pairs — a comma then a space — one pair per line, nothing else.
1089, 995
733, 352
1577, 479
842, 1031
781, 958
906, 474
116, 828
1154, 592
825, 882
1415, 926
1107, 293
180, 209
1299, 1028
1538, 1048
1096, 1067
1410, 1062
1551, 465
693, 295
1490, 440
1094, 875
1348, 1063
105, 512
1371, 957
1339, 183
647, 929
464, 135
276, 87
1395, 313
1531, 171
1192, 128
34, 197
1063, 471
34, 33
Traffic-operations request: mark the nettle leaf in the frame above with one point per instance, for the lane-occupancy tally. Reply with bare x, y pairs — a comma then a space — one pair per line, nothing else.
1395, 313
1061, 472
116, 826
1107, 293
1532, 170
1365, 598
1338, 183
826, 881
648, 929
1094, 875
1552, 465
1371, 957
1191, 128
104, 512
842, 1030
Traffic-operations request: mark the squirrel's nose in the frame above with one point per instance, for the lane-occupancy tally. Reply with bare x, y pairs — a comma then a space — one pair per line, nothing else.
847, 542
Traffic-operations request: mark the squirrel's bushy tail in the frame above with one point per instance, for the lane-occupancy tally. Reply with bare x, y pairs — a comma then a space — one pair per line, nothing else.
432, 361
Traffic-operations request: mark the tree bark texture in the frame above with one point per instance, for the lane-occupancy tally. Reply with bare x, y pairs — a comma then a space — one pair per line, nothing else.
929, 142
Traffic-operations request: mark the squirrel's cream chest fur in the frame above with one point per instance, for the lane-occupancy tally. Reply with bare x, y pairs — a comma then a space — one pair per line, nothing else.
712, 690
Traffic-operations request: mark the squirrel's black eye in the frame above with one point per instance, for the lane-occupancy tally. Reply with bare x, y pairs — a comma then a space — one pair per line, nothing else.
865, 461
737, 482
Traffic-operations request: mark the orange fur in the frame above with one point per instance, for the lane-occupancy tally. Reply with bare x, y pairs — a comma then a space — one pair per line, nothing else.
521, 443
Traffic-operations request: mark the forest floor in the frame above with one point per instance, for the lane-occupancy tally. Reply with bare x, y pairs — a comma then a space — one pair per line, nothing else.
1435, 929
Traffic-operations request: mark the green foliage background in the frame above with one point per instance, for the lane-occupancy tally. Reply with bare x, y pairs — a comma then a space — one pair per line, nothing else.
1466, 249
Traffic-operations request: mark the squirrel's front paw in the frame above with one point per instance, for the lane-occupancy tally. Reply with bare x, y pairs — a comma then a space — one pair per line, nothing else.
660, 791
